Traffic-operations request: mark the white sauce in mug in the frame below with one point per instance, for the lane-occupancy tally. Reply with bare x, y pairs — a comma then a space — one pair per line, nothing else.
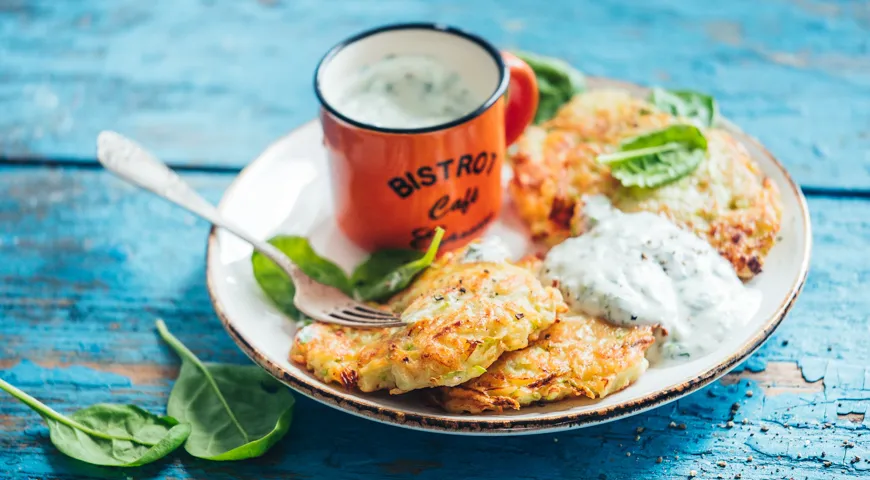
406, 91
640, 269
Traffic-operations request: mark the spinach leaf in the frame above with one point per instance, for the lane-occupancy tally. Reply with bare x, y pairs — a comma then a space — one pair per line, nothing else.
279, 287
235, 411
698, 107
657, 158
381, 264
108, 434
558, 82
384, 274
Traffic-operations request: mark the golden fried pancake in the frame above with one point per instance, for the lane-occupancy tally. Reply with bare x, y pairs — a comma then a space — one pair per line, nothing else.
331, 352
577, 357
461, 318
727, 200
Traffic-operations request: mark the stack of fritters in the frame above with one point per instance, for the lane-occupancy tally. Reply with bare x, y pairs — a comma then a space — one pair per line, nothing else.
461, 318
489, 335
491, 328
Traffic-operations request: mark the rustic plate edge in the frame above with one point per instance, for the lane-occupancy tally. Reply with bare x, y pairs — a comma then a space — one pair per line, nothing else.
351, 403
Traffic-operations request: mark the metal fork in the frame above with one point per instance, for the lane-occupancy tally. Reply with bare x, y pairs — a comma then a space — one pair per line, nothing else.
128, 160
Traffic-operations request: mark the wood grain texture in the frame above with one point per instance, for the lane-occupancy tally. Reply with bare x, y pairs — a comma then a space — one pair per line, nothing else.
212, 83
87, 264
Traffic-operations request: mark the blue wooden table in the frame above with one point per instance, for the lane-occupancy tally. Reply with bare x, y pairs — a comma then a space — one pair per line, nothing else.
87, 263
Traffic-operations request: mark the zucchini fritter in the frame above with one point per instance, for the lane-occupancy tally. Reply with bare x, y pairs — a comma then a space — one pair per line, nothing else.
578, 356
727, 200
331, 352
462, 317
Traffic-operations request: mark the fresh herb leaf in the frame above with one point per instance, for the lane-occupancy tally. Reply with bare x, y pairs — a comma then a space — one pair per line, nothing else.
235, 411
698, 107
278, 286
384, 273
381, 264
108, 434
657, 158
558, 82
394, 276
688, 136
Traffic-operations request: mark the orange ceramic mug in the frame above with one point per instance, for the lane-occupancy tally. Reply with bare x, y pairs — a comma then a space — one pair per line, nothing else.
416, 123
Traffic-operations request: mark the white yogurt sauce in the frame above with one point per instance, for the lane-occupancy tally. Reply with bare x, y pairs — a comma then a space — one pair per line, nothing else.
406, 91
640, 269
487, 249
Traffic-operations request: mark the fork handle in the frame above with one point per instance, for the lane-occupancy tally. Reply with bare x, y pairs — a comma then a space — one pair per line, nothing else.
130, 161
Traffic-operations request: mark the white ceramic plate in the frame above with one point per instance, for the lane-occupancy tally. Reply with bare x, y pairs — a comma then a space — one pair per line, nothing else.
286, 190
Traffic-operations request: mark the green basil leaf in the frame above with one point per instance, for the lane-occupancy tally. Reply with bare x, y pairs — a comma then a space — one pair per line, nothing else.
380, 264
657, 158
698, 107
279, 288
235, 411
276, 285
108, 434
393, 276
688, 136
664, 169
558, 82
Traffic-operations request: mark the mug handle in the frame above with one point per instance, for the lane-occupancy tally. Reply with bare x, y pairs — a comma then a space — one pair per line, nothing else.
522, 101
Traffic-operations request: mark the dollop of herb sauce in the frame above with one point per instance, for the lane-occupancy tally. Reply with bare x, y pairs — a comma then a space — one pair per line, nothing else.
487, 249
640, 269
406, 91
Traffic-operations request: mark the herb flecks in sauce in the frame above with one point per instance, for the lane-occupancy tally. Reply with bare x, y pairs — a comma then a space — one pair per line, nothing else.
406, 91
488, 249
641, 269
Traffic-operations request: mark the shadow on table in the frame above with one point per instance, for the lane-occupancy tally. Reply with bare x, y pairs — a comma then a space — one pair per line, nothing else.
324, 443
67, 468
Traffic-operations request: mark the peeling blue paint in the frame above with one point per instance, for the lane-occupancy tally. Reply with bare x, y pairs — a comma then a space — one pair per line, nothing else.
813, 369
72, 301
754, 363
26, 373
691, 434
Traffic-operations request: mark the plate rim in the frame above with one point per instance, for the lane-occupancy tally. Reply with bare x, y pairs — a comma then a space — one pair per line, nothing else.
350, 402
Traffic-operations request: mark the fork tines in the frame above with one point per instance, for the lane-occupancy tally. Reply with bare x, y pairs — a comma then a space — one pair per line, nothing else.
365, 317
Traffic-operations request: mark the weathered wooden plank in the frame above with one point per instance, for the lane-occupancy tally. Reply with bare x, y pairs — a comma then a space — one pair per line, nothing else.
87, 264
212, 83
